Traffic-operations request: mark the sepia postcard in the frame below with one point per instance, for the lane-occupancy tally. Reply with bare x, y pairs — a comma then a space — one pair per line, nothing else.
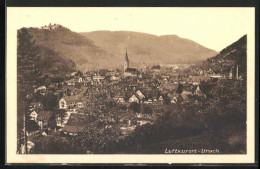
130, 85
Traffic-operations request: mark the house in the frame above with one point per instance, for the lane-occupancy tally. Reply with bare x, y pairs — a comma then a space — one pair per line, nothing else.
33, 115
185, 95
73, 74
140, 94
69, 130
114, 78
134, 98
70, 102
174, 100
149, 101
80, 80
173, 97
197, 91
77, 124
216, 77
80, 105
43, 119
169, 86
36, 105
41, 90
98, 78
119, 98
185, 92
130, 72
70, 82
161, 99
152, 95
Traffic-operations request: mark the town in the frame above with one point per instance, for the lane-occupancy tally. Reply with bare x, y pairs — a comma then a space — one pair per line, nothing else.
112, 100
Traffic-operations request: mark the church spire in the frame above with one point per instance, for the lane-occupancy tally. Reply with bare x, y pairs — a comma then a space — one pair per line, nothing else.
126, 56
126, 63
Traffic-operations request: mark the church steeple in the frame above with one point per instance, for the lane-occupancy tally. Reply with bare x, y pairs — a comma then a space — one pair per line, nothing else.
126, 62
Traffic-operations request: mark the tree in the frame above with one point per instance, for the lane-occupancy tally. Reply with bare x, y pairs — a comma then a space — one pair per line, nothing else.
135, 107
79, 73
49, 102
27, 72
58, 79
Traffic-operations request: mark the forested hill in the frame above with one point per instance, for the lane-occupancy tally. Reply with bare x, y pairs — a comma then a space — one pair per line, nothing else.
70, 46
46, 59
149, 49
230, 57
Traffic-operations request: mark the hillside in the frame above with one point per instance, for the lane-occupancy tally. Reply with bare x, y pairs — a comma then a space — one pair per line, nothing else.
71, 46
149, 49
232, 56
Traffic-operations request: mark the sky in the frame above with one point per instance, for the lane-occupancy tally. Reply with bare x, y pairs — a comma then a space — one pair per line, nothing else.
214, 28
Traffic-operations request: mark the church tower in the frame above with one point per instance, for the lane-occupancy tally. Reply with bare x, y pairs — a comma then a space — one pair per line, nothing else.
126, 63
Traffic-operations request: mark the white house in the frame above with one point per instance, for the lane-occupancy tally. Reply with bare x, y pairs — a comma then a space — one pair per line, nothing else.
134, 98
70, 102
119, 98
33, 115
140, 94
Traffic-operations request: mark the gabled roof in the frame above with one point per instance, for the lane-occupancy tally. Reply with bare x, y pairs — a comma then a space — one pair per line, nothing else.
136, 95
185, 92
185, 97
79, 120
169, 86
44, 115
187, 87
70, 98
119, 95
72, 129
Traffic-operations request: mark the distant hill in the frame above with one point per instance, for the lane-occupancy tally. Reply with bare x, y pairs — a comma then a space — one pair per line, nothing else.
233, 55
71, 46
104, 49
149, 49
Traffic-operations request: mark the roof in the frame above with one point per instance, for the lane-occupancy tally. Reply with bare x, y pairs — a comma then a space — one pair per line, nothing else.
185, 92
136, 95
169, 86
79, 120
119, 95
70, 98
153, 94
73, 73
44, 115
73, 129
185, 97
41, 88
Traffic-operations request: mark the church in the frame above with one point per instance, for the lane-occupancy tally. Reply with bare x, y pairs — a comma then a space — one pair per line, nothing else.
129, 72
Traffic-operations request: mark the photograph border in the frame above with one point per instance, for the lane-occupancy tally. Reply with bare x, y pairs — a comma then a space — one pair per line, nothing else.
13, 3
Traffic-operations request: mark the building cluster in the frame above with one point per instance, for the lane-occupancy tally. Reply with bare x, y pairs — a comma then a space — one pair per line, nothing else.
52, 27
112, 100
